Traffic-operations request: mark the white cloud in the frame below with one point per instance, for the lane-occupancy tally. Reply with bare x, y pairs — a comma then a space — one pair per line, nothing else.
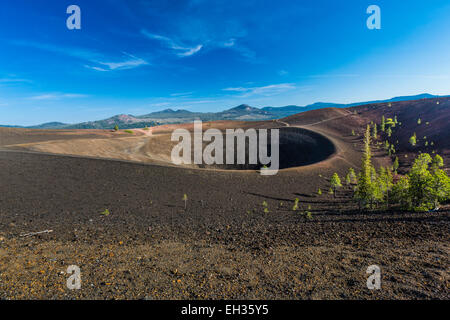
67, 51
13, 80
182, 94
95, 68
269, 90
229, 43
56, 96
181, 49
191, 51
91, 56
337, 75
131, 63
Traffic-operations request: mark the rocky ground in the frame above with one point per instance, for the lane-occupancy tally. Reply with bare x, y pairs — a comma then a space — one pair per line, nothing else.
222, 246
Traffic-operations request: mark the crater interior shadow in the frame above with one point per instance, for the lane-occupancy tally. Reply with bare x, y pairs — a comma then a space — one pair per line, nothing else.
297, 147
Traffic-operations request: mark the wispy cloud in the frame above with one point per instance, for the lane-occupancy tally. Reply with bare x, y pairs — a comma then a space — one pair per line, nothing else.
96, 68
247, 54
203, 36
334, 75
229, 43
182, 94
178, 47
269, 90
130, 63
67, 51
57, 96
14, 80
99, 61
190, 51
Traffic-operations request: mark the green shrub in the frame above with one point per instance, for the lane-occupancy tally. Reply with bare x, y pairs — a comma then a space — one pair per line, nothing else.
295, 207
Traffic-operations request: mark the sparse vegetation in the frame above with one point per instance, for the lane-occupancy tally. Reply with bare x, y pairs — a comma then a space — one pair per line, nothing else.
308, 213
265, 206
365, 191
185, 199
350, 177
385, 184
335, 183
413, 139
428, 184
347, 179
296, 202
389, 132
390, 122
422, 189
395, 165
352, 174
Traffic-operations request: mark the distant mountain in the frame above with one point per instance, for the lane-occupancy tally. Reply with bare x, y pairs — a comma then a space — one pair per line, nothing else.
175, 116
242, 112
416, 97
49, 125
287, 111
245, 112
123, 121
395, 99
168, 113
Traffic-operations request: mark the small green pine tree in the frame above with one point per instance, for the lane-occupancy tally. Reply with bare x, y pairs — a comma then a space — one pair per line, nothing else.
185, 199
395, 165
296, 202
374, 131
389, 131
413, 140
335, 183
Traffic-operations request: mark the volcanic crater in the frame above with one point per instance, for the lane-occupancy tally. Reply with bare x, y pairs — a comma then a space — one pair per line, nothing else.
297, 147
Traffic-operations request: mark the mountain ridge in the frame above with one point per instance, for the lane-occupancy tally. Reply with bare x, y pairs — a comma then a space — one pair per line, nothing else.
243, 112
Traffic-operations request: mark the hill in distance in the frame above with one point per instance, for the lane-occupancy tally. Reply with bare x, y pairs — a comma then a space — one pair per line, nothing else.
242, 112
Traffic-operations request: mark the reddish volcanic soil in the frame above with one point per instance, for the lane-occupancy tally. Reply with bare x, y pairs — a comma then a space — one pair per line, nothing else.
222, 245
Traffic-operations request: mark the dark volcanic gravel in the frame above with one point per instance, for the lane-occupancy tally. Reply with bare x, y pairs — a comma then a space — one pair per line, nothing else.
223, 245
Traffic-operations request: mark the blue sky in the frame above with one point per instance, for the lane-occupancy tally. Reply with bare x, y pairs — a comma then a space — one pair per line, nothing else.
136, 57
